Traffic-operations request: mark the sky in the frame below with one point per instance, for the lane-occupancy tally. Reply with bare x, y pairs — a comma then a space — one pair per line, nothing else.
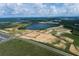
39, 9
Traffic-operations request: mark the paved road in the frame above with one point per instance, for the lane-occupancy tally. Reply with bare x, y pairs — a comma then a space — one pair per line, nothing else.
5, 37
49, 48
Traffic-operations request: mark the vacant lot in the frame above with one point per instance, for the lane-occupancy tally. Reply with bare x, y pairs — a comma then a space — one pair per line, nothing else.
17, 47
75, 37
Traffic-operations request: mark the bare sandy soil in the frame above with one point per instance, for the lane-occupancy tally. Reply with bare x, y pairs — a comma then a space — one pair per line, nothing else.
73, 49
39, 36
42, 36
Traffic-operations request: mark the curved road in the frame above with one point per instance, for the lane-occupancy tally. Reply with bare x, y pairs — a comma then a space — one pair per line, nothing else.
48, 47
39, 44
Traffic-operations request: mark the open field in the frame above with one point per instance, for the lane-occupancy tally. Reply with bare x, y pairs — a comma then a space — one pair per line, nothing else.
50, 37
18, 47
75, 37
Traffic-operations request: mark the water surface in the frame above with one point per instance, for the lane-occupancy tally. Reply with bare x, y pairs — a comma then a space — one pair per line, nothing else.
39, 26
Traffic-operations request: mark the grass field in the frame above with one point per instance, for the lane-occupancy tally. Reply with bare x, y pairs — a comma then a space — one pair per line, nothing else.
75, 37
21, 48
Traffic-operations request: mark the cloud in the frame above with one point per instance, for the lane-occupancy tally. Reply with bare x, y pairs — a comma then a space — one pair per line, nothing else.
39, 9
72, 9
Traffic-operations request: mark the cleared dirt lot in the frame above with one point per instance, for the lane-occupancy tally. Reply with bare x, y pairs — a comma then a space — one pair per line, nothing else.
39, 36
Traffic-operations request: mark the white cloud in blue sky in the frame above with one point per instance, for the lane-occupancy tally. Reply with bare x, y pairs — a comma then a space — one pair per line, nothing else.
39, 9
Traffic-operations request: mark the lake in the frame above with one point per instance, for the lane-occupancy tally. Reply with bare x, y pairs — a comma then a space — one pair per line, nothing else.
39, 26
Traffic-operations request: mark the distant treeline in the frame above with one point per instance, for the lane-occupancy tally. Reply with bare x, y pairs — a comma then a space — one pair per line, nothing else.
19, 19
71, 24
66, 21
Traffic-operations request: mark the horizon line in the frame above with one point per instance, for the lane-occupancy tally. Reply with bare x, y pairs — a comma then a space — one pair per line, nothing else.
36, 17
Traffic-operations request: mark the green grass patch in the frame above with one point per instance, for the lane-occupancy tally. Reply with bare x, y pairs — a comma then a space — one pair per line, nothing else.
75, 37
22, 48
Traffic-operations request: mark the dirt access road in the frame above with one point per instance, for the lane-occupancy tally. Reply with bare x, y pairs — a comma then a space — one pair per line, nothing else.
48, 47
